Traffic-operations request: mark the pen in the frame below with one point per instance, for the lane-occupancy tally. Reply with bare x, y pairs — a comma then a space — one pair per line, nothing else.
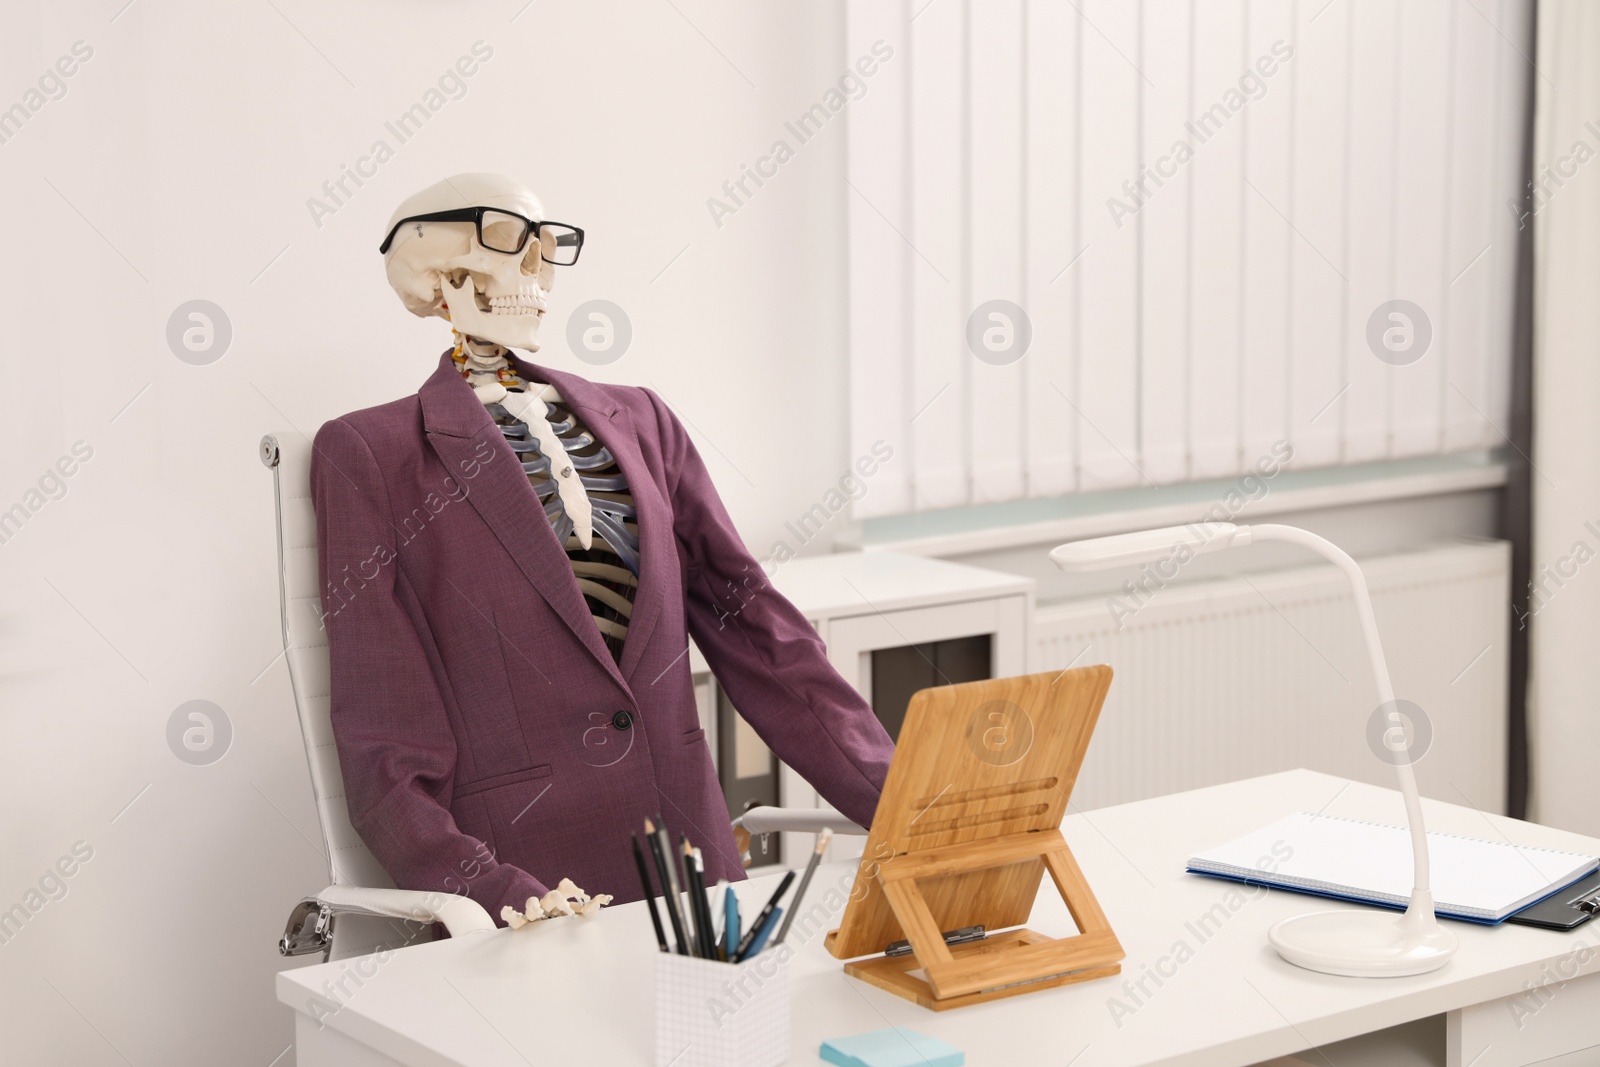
761, 920
669, 895
761, 938
730, 923
805, 880
649, 893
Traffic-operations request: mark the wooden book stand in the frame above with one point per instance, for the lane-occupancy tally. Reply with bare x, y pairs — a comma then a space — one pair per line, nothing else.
968, 823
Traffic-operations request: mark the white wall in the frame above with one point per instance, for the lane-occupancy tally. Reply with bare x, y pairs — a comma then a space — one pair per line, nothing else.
177, 166
1561, 603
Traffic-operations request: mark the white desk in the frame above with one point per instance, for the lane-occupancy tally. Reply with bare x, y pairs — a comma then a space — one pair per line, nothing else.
582, 992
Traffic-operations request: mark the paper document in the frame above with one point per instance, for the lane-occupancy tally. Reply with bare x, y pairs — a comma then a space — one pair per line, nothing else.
1480, 880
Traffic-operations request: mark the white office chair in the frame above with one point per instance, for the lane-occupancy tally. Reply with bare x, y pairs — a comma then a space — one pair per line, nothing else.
361, 911
361, 900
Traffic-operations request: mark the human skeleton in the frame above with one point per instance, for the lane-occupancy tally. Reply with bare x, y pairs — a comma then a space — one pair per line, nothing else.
496, 301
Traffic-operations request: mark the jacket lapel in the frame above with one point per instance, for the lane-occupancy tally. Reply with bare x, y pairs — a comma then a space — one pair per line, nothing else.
459, 429
613, 427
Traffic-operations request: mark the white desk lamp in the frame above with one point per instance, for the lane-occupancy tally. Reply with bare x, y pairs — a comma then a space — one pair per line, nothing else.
1358, 943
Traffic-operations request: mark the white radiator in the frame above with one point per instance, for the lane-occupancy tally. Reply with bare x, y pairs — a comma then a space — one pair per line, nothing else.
1226, 679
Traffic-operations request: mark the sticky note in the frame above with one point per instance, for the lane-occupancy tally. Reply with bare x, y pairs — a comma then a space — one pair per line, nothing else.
894, 1047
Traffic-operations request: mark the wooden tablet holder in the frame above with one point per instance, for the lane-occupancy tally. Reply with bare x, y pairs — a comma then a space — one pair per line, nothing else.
968, 823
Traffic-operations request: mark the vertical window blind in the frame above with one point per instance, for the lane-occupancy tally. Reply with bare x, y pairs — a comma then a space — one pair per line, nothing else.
1111, 243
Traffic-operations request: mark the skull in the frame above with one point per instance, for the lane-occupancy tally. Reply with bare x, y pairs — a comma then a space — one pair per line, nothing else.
441, 268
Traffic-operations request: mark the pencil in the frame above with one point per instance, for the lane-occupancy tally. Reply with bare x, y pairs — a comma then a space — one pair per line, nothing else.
719, 913
649, 893
686, 855
713, 942
694, 875
709, 903
669, 896
691, 914
669, 862
805, 880
761, 920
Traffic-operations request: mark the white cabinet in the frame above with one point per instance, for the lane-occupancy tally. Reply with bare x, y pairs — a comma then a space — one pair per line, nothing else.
869, 602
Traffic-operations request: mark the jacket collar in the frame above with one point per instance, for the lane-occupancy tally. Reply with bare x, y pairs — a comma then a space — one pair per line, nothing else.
456, 421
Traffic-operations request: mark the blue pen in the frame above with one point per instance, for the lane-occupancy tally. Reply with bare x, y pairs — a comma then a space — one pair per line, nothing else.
730, 923
761, 937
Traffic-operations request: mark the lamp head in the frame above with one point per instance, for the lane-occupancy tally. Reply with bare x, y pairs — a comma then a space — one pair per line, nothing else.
1146, 546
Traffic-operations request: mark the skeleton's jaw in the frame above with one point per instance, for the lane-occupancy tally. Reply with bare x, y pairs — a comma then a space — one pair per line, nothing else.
512, 321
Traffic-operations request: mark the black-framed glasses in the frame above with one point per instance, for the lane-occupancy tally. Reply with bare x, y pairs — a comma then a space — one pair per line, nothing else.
506, 231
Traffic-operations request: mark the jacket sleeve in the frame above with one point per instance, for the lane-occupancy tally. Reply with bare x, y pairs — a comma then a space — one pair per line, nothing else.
397, 751
771, 662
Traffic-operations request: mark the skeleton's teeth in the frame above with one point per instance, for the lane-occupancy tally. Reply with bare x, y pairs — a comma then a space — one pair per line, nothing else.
517, 304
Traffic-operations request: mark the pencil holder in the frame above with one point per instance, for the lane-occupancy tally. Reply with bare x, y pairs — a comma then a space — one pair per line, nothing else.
711, 1014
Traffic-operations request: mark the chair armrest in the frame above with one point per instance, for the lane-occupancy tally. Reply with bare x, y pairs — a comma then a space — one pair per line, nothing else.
310, 926
460, 915
796, 820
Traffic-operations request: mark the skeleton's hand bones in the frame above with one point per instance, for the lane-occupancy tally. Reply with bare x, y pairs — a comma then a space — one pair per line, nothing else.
565, 899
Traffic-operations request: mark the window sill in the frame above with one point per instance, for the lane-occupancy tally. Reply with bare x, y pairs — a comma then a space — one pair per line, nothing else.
981, 528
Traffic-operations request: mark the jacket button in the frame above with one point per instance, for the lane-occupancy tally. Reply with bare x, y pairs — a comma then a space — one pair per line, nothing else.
622, 720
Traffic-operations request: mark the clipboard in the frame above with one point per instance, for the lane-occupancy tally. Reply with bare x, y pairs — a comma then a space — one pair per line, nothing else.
967, 826
1565, 909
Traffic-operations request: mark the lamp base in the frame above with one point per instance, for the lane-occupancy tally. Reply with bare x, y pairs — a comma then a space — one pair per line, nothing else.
1364, 944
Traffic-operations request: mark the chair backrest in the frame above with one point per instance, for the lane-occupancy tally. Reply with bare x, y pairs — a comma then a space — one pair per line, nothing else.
305, 643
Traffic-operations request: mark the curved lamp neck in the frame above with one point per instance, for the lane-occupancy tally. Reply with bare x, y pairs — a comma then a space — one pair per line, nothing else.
1380, 667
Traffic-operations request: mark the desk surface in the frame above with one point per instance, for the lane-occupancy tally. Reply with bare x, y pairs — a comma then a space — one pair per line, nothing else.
866, 583
1200, 982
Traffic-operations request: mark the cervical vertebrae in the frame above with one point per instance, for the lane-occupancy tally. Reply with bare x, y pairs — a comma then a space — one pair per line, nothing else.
496, 382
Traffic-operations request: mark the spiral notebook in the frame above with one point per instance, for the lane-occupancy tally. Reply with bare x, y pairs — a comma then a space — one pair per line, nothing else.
1479, 881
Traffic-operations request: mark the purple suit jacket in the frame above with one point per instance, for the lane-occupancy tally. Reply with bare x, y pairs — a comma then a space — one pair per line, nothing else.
489, 742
